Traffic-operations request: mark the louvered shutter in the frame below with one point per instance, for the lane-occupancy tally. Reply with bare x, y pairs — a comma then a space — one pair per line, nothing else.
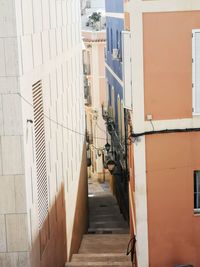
127, 66
196, 71
40, 150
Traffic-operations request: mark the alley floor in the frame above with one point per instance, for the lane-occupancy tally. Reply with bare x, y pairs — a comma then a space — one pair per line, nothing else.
108, 233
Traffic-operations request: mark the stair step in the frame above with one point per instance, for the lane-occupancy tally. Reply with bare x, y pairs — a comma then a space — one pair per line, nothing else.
95, 202
104, 243
107, 217
103, 198
102, 211
108, 230
105, 207
108, 235
99, 264
108, 224
103, 257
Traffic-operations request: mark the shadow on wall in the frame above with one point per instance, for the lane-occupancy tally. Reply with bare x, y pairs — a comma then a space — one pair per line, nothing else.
81, 214
50, 246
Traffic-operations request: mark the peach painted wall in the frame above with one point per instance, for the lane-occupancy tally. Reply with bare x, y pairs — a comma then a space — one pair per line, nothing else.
168, 63
93, 35
174, 230
81, 214
127, 21
102, 91
102, 80
100, 42
102, 59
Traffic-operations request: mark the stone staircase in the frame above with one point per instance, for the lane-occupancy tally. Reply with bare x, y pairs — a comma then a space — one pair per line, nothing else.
102, 250
105, 216
107, 238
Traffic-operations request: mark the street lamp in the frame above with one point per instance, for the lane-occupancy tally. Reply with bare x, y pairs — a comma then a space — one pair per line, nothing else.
107, 147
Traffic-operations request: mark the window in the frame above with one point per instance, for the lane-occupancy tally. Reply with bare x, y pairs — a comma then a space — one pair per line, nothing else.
117, 39
108, 41
111, 40
113, 102
109, 95
120, 43
119, 116
196, 191
196, 71
127, 72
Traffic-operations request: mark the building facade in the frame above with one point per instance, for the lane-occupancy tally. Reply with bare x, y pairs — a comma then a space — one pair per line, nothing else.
43, 186
116, 114
164, 158
94, 38
114, 28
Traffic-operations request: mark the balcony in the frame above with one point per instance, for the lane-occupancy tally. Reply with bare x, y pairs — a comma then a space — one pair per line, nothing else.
86, 69
88, 101
89, 138
118, 147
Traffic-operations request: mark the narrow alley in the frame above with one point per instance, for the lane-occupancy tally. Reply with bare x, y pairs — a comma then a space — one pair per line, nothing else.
99, 133
108, 233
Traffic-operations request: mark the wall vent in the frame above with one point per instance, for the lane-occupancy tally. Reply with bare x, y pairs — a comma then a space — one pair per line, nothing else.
40, 151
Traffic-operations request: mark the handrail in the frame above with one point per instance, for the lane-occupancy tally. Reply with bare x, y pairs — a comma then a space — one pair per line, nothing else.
131, 250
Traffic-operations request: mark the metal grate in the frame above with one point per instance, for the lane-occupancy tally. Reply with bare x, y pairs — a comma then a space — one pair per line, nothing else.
40, 150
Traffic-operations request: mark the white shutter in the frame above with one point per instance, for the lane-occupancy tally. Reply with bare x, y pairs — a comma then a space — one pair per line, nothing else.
196, 71
127, 76
40, 151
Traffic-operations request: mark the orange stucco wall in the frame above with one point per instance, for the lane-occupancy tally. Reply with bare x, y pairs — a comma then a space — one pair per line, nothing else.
174, 230
168, 63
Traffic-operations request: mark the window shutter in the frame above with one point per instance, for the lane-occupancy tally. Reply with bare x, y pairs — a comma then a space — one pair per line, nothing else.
40, 150
196, 71
127, 76
41, 169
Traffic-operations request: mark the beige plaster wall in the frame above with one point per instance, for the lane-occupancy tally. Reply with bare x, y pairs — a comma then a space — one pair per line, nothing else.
36, 43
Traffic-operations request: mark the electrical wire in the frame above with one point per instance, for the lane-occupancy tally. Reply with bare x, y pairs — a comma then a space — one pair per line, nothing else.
56, 122
166, 131
152, 125
63, 126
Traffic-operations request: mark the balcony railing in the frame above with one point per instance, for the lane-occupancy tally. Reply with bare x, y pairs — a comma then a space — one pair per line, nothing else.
86, 69
88, 101
89, 138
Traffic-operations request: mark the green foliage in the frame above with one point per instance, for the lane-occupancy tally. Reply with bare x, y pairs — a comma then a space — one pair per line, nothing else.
95, 17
